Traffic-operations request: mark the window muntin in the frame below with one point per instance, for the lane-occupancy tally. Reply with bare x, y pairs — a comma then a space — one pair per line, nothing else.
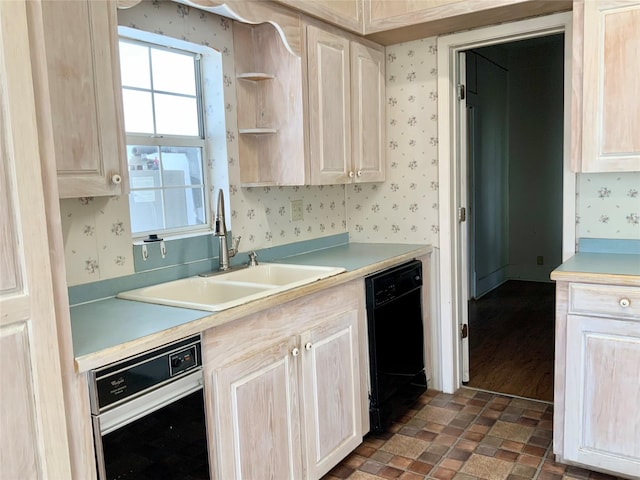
162, 100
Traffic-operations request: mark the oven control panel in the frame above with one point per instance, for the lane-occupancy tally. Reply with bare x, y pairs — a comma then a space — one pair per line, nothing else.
115, 383
183, 360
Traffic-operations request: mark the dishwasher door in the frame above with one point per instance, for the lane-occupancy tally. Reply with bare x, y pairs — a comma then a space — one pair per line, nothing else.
396, 342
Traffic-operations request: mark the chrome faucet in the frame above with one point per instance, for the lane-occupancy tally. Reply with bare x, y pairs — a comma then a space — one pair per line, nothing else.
220, 231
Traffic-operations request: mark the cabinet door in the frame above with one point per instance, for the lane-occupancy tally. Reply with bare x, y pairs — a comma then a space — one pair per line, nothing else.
329, 107
331, 389
344, 13
382, 14
33, 430
601, 423
611, 87
86, 98
368, 112
257, 412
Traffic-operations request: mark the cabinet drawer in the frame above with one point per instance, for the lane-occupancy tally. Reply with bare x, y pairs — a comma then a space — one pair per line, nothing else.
604, 300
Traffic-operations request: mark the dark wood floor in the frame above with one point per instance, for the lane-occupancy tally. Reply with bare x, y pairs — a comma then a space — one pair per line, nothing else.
511, 335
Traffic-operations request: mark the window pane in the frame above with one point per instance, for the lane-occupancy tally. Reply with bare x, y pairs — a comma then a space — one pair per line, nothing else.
134, 65
176, 115
138, 112
167, 187
187, 160
184, 207
146, 206
173, 72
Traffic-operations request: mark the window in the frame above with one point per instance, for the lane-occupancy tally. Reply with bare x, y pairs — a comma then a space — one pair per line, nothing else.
164, 124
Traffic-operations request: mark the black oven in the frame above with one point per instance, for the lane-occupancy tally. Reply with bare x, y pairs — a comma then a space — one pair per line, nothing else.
148, 415
396, 342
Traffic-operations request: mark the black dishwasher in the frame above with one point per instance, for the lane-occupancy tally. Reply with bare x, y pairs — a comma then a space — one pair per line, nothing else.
396, 342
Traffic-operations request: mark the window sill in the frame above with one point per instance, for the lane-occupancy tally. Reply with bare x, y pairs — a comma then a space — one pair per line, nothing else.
175, 236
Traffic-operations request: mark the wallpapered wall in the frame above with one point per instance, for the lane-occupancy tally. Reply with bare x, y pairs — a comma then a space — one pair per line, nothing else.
404, 209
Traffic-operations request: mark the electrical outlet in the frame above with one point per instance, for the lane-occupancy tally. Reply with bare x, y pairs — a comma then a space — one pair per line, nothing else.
540, 260
296, 210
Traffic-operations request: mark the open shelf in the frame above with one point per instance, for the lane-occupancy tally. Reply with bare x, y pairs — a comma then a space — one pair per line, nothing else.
270, 108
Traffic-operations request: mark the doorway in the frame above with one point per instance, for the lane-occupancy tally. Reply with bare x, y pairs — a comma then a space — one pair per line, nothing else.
453, 263
514, 105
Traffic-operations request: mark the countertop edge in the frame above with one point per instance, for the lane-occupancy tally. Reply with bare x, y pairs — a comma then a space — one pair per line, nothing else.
84, 363
595, 277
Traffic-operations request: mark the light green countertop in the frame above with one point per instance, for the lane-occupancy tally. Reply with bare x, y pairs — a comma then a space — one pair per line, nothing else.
617, 268
110, 329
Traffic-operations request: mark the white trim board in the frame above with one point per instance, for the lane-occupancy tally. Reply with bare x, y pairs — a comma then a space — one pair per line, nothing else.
450, 265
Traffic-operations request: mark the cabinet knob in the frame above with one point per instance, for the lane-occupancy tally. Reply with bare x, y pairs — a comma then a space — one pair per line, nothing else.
308, 346
116, 179
359, 173
351, 174
295, 352
625, 302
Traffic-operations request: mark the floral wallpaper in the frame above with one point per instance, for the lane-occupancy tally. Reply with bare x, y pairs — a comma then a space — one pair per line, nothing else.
403, 209
608, 206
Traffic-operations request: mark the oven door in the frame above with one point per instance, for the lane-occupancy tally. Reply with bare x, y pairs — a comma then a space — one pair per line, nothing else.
159, 435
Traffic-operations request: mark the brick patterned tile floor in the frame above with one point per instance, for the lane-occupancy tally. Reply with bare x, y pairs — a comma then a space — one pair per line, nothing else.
470, 435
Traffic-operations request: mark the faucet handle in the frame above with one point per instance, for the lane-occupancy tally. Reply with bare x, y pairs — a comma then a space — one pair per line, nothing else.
234, 250
253, 259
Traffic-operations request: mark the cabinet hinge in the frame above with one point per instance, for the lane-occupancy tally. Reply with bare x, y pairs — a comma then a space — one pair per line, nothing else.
462, 214
461, 93
464, 330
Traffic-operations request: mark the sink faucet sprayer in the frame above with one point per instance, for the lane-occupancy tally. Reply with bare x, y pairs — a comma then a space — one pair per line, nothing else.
221, 232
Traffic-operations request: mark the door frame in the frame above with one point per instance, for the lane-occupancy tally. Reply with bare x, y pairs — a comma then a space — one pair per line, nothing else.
453, 261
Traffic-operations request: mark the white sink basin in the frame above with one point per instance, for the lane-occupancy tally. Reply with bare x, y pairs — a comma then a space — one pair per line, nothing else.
230, 289
279, 274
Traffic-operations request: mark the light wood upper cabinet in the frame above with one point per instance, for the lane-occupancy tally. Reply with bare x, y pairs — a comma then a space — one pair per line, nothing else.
345, 109
368, 113
596, 377
381, 12
606, 101
270, 108
329, 77
391, 22
343, 13
85, 97
311, 120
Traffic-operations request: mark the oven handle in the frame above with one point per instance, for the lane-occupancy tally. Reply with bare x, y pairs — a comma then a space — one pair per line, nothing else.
149, 402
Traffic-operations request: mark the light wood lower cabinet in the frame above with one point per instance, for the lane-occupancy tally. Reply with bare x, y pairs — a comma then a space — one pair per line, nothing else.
258, 415
597, 390
331, 392
285, 389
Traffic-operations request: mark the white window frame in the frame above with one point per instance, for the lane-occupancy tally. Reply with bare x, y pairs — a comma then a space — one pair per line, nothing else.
205, 54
